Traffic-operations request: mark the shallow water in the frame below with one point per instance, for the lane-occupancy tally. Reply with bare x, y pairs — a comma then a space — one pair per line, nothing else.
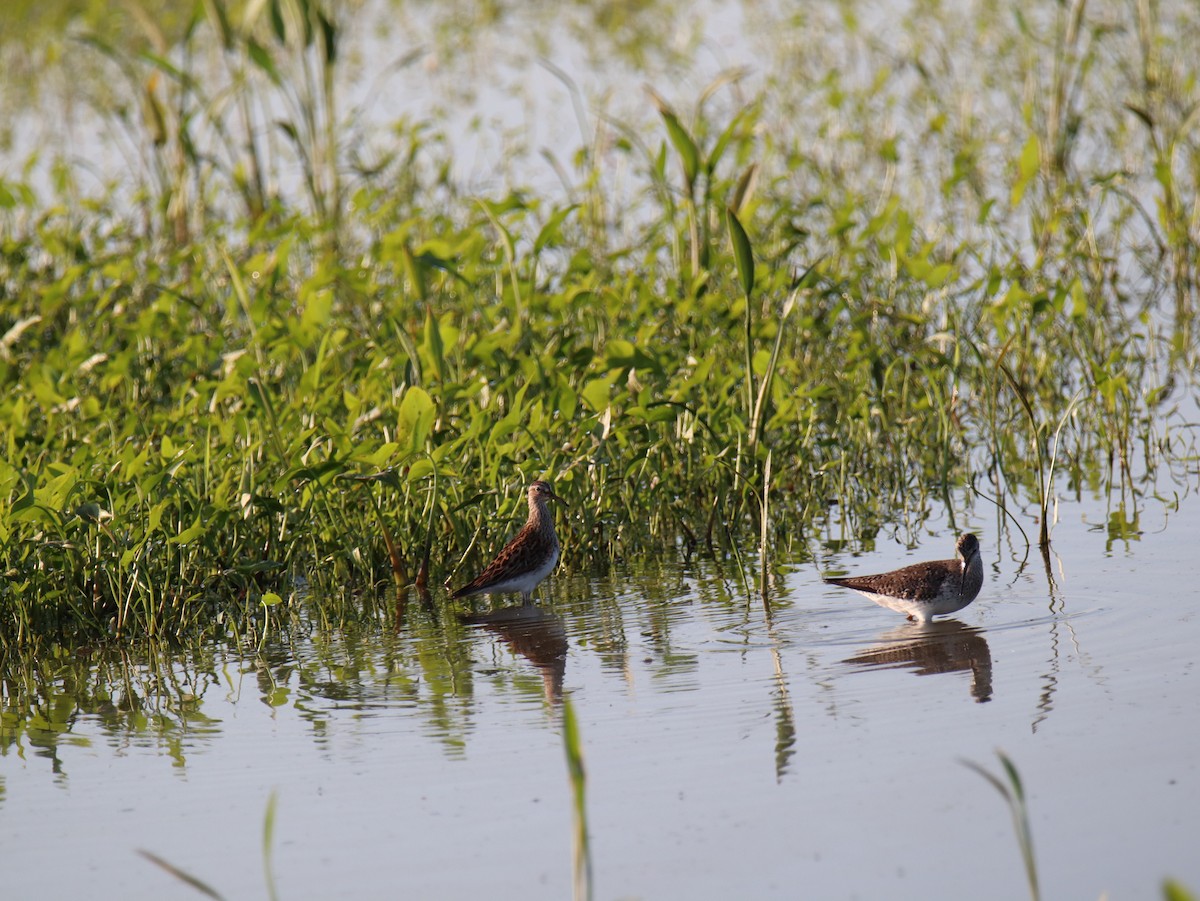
816, 753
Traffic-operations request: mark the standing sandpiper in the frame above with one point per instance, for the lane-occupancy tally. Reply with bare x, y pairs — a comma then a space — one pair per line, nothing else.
925, 590
528, 558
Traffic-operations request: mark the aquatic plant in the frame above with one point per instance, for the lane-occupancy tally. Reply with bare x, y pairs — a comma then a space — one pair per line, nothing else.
217, 413
203, 887
582, 856
1013, 792
1012, 789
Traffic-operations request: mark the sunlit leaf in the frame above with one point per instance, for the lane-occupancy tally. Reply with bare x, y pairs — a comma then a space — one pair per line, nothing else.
743, 255
190, 534
685, 146
261, 58
551, 233
596, 393
1176, 891
414, 418
1027, 168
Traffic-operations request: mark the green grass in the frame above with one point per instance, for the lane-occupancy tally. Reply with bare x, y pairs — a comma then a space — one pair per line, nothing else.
581, 858
207, 890
217, 394
1012, 790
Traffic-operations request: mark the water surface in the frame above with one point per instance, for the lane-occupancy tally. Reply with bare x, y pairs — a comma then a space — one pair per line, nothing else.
814, 752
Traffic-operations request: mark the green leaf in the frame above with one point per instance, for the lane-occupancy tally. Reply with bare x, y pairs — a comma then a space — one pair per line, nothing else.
745, 188
735, 127
318, 309
421, 469
1175, 891
54, 493
329, 37
743, 255
219, 20
619, 353
154, 520
689, 153
433, 346
277, 23
261, 58
415, 418
1142, 114
597, 393
573, 748
551, 232
269, 842
1027, 168
191, 533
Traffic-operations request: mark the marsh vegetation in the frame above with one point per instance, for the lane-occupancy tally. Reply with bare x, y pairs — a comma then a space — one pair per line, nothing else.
274, 346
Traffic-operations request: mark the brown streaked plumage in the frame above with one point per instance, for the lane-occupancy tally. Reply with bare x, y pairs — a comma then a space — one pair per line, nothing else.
925, 590
528, 558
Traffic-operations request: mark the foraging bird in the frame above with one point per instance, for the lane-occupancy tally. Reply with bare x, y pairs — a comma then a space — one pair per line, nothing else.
528, 558
925, 590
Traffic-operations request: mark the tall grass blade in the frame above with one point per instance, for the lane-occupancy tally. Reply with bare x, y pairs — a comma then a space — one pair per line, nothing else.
743, 253
743, 256
684, 144
582, 858
1014, 796
764, 531
745, 188
268, 845
764, 387
1043, 492
179, 874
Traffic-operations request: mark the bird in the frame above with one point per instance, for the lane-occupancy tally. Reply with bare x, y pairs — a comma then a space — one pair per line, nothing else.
528, 558
925, 590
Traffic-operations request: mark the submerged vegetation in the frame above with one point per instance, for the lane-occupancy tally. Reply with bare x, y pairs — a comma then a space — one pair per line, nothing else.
287, 349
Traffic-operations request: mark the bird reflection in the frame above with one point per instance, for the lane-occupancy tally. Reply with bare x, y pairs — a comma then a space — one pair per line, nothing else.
939, 647
536, 634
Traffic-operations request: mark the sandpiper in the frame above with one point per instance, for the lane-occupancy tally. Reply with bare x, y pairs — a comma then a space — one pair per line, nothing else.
925, 590
528, 558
